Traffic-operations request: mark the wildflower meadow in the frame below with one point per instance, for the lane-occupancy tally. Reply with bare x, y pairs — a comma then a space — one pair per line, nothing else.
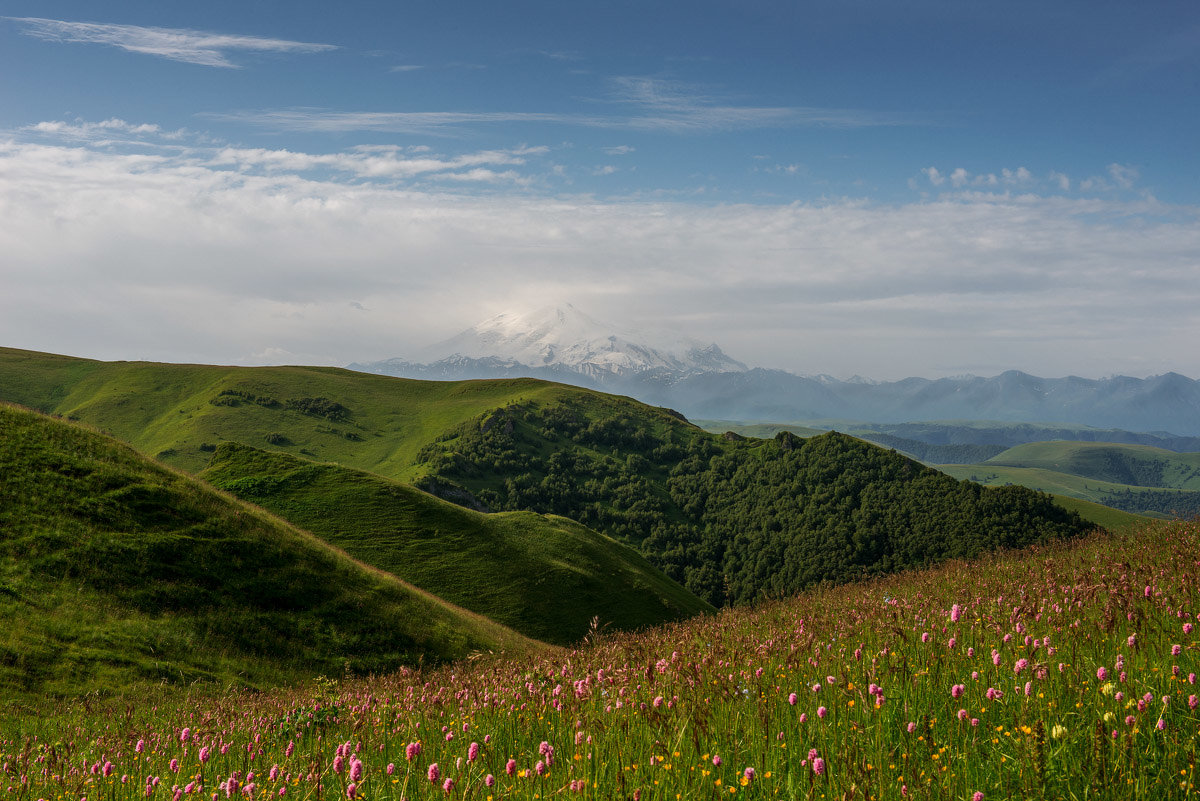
1058, 672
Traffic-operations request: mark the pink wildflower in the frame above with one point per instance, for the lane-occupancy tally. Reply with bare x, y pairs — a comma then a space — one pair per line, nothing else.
957, 690
510, 767
792, 699
412, 751
749, 774
448, 785
955, 613
978, 796
822, 712
717, 757
473, 752
1101, 673
434, 773
818, 766
351, 790
489, 780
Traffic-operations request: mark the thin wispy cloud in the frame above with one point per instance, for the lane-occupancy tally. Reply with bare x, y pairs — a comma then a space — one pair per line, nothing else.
381, 162
176, 44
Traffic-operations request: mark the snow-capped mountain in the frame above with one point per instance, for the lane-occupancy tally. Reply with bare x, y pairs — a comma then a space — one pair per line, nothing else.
561, 343
557, 341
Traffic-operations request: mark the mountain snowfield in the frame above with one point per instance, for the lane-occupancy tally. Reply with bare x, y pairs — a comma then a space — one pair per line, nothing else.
562, 343
563, 338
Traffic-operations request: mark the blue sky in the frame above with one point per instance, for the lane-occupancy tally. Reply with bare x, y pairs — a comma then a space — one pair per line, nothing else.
878, 188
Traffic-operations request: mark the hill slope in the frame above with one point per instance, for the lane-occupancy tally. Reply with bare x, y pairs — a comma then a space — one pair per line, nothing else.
645, 476
544, 576
733, 518
115, 570
1136, 465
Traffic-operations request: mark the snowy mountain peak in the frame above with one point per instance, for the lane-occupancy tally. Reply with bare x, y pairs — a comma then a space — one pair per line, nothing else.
563, 336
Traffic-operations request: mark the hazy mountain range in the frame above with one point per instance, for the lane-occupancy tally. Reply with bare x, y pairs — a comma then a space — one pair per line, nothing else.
563, 344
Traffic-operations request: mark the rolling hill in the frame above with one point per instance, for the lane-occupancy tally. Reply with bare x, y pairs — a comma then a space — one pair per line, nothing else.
544, 576
1136, 465
115, 571
729, 519
1133, 478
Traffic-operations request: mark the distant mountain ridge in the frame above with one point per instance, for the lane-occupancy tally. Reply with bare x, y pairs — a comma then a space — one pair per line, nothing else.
562, 340
563, 344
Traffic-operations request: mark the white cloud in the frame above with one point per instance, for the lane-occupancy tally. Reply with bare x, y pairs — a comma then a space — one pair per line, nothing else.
375, 162
935, 176
224, 261
1061, 180
658, 106
1123, 175
192, 47
619, 150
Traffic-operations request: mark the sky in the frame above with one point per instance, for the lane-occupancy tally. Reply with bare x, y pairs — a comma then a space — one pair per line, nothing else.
880, 188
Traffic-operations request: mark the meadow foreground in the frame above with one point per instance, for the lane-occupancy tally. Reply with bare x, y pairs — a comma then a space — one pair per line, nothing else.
1065, 671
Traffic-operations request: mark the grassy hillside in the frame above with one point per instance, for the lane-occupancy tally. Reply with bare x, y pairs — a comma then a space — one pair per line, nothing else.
544, 576
734, 519
115, 570
1060, 672
1100, 515
698, 506
179, 413
1087, 471
1135, 465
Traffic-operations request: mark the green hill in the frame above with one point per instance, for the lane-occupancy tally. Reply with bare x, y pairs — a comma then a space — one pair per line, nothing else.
1132, 465
1134, 478
115, 570
179, 413
734, 519
544, 576
730, 519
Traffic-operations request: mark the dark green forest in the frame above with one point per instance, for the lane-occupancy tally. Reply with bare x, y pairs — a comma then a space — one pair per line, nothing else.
735, 519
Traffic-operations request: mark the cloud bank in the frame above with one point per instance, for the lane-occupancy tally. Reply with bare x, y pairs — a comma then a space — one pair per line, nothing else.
250, 255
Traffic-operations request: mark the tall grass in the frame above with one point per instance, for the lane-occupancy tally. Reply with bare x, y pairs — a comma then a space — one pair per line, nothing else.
1059, 672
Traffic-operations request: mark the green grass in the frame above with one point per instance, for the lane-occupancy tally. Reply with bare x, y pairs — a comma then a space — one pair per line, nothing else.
1061, 672
1052, 481
115, 570
542, 575
1103, 516
1136, 465
177, 412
